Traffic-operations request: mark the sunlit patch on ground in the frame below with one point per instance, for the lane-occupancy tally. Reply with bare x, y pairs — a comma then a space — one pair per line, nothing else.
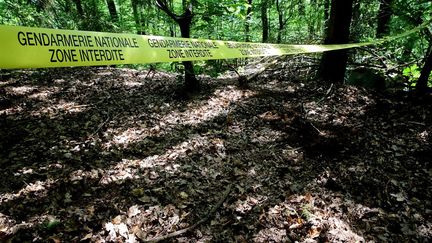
132, 84
22, 90
149, 167
196, 113
44, 94
305, 218
11, 111
35, 189
266, 135
62, 107
138, 223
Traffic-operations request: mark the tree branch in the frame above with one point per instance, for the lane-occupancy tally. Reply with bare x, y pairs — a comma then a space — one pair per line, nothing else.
162, 5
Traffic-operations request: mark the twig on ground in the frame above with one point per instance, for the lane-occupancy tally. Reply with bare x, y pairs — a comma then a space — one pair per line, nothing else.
417, 123
207, 217
314, 127
326, 94
101, 125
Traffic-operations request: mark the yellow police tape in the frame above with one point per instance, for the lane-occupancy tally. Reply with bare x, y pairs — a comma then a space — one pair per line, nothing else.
27, 47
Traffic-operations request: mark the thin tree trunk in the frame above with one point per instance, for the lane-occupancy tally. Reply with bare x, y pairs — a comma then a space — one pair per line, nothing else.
312, 19
112, 10
248, 18
145, 27
356, 31
172, 30
301, 8
326, 14
333, 63
68, 6
422, 82
136, 16
190, 80
184, 21
79, 8
384, 15
280, 21
265, 21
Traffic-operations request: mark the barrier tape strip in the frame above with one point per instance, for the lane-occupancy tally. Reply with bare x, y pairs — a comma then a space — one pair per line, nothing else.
27, 47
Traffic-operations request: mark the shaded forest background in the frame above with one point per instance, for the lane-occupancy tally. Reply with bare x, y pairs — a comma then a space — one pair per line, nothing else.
401, 63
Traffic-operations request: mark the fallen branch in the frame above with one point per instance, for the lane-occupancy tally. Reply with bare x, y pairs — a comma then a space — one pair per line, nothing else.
207, 217
262, 70
102, 124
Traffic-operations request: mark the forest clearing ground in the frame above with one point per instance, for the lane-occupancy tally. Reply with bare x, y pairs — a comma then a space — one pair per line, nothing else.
102, 154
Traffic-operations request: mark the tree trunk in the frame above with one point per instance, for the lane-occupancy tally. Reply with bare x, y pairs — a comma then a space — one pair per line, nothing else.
280, 21
326, 14
265, 21
172, 30
312, 19
184, 21
191, 82
142, 19
356, 18
248, 18
422, 82
384, 15
67, 6
79, 8
112, 10
301, 8
136, 15
333, 63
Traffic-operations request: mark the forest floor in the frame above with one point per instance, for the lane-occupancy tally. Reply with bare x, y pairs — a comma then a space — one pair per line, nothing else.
105, 155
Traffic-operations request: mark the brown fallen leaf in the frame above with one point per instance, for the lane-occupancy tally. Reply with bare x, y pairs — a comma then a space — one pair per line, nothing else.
54, 239
314, 232
87, 237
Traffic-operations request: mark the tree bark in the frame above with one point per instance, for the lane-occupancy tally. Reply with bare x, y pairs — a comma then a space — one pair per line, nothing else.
301, 8
191, 83
356, 18
79, 8
67, 6
384, 14
312, 19
326, 14
333, 63
422, 82
265, 21
248, 18
280, 21
112, 10
184, 21
136, 15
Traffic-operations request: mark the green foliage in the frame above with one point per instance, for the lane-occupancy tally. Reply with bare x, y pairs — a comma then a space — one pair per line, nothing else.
306, 211
412, 73
302, 22
50, 224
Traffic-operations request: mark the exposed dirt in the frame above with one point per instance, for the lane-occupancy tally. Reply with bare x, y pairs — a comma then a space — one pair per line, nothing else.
104, 155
